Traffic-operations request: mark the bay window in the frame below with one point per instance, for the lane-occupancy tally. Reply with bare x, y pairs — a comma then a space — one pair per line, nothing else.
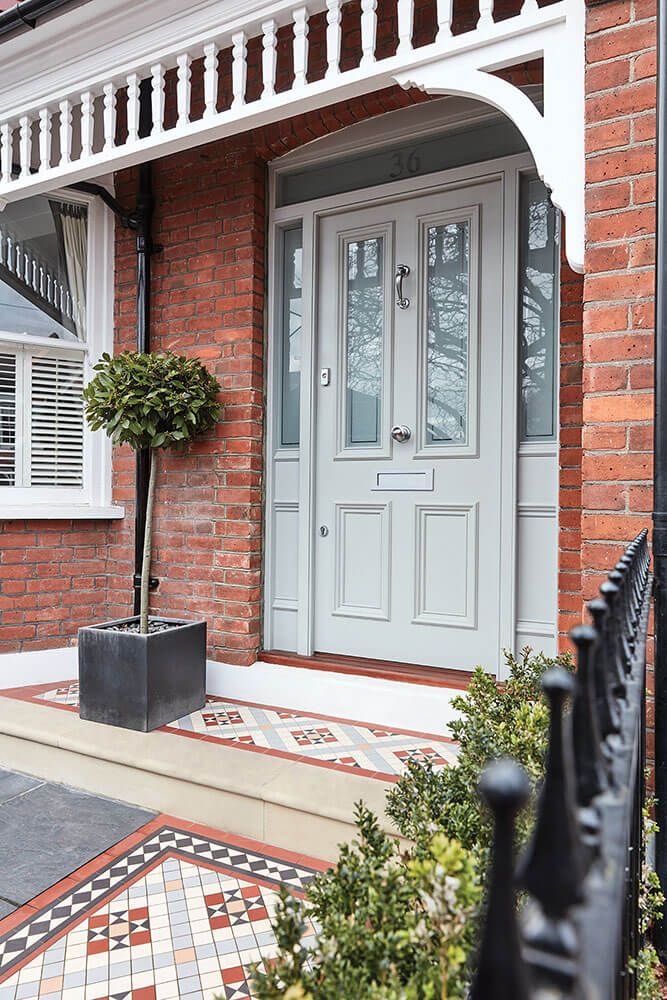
55, 321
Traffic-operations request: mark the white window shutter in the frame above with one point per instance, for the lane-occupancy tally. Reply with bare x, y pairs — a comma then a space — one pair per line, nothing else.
7, 419
56, 419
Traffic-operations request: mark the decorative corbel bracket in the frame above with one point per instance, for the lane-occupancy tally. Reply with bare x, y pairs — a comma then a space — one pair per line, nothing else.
555, 136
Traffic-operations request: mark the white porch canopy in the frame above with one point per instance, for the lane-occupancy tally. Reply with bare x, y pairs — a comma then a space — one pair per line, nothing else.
62, 85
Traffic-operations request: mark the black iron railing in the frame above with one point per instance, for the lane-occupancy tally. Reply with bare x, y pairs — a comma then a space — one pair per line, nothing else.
579, 930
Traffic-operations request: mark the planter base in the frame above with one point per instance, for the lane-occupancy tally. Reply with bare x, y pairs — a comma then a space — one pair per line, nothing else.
139, 681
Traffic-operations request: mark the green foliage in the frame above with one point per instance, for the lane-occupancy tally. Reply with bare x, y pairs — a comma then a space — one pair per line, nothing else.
399, 926
493, 722
651, 901
152, 400
391, 926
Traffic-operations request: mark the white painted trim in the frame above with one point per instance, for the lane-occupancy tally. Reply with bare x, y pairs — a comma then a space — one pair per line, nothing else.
39, 666
104, 50
64, 512
94, 498
363, 699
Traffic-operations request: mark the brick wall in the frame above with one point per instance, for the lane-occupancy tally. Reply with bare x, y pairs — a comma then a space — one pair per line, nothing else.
208, 300
52, 580
618, 288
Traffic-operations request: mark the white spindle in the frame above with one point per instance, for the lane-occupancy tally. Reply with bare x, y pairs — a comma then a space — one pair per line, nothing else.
87, 122
109, 117
25, 145
405, 21
444, 18
183, 88
157, 97
210, 79
133, 107
65, 131
239, 68
45, 124
300, 16
269, 42
485, 13
368, 31
334, 16
6, 153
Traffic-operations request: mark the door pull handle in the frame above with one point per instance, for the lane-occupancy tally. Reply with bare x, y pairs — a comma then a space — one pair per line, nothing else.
402, 271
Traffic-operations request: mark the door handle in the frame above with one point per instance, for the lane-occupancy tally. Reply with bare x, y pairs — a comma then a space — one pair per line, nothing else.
401, 433
402, 271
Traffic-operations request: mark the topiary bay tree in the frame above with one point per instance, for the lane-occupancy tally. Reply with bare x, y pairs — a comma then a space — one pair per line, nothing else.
155, 402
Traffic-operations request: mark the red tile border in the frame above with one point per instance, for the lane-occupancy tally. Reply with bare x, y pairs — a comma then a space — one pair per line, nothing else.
102, 861
29, 694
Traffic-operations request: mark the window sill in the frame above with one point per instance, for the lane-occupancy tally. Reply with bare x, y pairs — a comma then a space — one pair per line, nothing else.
68, 512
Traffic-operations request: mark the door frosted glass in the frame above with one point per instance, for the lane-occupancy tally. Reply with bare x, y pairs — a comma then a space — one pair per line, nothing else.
364, 339
291, 337
538, 274
448, 331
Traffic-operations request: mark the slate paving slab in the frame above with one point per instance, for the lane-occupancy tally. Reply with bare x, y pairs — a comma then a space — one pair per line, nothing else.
6, 908
47, 831
13, 784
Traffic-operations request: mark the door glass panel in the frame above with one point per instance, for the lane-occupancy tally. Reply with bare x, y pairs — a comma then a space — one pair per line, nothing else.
291, 337
448, 330
364, 338
538, 304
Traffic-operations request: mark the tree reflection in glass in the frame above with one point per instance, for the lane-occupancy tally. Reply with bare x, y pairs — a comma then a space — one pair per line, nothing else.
537, 303
365, 340
448, 319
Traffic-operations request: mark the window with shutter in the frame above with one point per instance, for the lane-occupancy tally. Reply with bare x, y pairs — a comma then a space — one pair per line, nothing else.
55, 261
7, 419
56, 422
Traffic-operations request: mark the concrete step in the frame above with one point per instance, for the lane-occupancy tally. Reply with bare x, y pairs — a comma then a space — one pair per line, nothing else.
294, 805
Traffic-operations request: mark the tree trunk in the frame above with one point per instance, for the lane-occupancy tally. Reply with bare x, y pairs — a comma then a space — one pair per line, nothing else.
148, 544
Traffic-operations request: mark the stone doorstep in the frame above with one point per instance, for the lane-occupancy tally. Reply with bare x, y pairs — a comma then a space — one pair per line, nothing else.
294, 805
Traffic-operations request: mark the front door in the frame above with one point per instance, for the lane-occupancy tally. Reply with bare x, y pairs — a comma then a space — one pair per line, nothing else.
408, 439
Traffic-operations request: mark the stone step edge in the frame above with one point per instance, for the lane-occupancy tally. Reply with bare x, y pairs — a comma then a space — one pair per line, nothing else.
219, 783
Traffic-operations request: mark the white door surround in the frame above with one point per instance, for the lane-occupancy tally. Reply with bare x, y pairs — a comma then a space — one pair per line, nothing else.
292, 518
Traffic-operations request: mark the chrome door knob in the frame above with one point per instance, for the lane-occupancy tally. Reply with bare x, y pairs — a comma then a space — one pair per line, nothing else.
401, 433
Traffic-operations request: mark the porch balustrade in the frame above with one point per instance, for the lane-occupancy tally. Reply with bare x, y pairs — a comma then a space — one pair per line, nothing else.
282, 58
580, 929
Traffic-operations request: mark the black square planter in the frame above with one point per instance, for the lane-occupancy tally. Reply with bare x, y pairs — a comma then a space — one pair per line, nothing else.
141, 681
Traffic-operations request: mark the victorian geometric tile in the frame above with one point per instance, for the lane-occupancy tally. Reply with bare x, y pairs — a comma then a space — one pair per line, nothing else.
183, 912
373, 750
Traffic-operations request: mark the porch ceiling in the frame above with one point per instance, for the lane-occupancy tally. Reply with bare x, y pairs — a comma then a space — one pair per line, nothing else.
81, 119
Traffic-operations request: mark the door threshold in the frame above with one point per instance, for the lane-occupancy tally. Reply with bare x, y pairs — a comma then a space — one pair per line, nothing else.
389, 670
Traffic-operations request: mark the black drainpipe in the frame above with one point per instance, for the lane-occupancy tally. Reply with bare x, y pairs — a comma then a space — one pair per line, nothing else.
141, 222
145, 250
23, 17
660, 474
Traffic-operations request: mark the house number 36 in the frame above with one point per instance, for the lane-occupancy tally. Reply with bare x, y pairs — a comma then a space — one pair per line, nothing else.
403, 164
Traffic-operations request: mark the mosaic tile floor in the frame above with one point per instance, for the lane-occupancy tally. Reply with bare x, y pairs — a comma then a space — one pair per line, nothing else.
175, 910
374, 751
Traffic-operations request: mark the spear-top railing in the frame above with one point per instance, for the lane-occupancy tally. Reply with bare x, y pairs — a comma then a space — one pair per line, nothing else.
579, 930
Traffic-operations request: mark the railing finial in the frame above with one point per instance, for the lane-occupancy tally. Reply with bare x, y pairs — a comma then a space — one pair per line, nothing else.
590, 775
500, 970
552, 866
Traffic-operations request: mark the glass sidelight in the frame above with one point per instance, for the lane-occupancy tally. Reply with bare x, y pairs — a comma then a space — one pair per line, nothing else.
447, 249
364, 340
291, 336
538, 311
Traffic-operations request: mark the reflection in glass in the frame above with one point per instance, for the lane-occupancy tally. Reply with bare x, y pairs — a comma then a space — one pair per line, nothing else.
538, 271
44, 268
364, 339
448, 320
291, 336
